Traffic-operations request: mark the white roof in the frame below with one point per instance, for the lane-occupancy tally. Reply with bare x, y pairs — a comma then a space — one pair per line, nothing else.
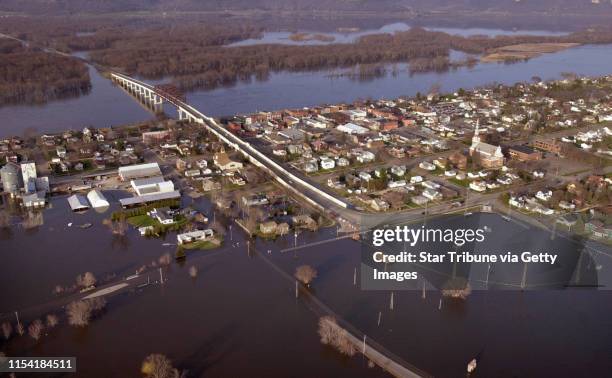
96, 198
78, 202
139, 170
351, 128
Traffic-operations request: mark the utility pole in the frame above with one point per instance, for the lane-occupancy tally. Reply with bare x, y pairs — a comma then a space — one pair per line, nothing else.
355, 277
391, 302
379, 317
296, 289
161, 276
364, 344
231, 236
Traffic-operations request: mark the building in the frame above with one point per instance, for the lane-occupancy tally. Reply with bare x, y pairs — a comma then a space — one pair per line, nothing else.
36, 199
139, 171
28, 173
152, 185
550, 145
11, 177
524, 153
351, 128
487, 155
223, 162
148, 198
459, 160
194, 236
96, 199
268, 228
78, 203
162, 215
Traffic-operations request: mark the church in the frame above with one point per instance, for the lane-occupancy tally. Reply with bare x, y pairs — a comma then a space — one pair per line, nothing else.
487, 155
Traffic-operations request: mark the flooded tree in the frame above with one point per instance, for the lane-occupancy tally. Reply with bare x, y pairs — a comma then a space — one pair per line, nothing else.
7, 330
117, 227
86, 280
158, 366
305, 274
193, 271
165, 259
80, 312
35, 329
52, 320
334, 335
58, 289
19, 329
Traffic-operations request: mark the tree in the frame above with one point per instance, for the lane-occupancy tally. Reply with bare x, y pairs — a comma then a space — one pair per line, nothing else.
35, 329
332, 334
86, 280
193, 271
7, 329
165, 259
158, 366
80, 312
305, 274
52, 320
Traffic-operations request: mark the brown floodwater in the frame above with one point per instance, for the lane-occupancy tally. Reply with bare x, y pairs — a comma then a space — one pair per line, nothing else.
240, 317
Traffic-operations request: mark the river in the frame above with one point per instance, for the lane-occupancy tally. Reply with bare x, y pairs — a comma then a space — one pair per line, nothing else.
106, 105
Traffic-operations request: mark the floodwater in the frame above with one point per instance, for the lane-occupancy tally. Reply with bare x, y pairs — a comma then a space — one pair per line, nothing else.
239, 316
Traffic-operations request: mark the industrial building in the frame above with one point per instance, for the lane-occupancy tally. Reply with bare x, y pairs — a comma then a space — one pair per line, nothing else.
97, 200
28, 173
139, 171
148, 198
193, 236
11, 178
152, 185
78, 203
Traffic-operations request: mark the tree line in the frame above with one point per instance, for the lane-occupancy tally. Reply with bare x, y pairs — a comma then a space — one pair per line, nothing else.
34, 76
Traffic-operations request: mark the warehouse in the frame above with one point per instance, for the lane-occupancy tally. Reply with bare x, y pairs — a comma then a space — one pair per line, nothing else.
138, 171
78, 203
152, 185
148, 198
97, 200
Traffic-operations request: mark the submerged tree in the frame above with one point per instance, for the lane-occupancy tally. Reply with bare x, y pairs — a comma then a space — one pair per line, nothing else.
332, 334
86, 280
80, 312
305, 274
193, 271
7, 329
52, 320
158, 366
35, 329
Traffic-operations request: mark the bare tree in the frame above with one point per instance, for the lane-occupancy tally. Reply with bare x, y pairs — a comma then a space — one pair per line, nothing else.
80, 312
165, 259
7, 329
52, 320
19, 329
58, 289
35, 329
158, 366
193, 271
305, 274
85, 280
332, 334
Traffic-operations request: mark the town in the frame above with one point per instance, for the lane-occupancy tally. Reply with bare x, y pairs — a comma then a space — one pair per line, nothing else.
542, 148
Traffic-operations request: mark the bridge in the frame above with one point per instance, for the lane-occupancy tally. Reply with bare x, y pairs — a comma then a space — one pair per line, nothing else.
153, 96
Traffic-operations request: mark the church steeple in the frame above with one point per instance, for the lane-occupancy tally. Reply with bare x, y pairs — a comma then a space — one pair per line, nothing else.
476, 137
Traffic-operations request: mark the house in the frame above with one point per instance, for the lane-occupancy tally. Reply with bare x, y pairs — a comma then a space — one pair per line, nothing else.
550, 145
599, 229
379, 204
366, 157
162, 215
431, 194
194, 236
223, 162
327, 163
396, 184
365, 176
427, 166
398, 170
478, 186
419, 200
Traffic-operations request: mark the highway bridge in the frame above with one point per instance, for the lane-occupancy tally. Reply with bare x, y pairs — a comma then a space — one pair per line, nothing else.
299, 185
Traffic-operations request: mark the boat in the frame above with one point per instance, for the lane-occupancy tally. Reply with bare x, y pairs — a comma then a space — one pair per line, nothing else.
85, 225
467, 214
487, 228
506, 218
471, 366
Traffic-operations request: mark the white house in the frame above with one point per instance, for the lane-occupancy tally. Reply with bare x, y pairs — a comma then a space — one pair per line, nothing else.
427, 166
327, 163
